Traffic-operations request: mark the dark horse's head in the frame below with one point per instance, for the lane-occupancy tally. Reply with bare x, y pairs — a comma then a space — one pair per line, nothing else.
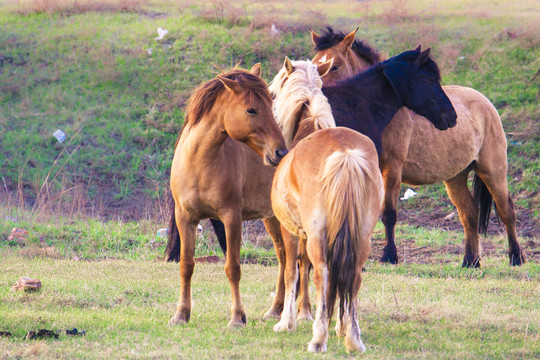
415, 78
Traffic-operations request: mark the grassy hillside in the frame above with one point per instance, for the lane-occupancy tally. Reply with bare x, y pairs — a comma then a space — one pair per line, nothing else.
94, 70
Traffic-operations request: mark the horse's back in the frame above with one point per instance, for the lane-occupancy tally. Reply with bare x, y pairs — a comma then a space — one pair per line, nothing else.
434, 156
296, 192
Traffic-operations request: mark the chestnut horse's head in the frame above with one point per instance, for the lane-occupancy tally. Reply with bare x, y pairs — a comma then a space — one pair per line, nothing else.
350, 56
247, 107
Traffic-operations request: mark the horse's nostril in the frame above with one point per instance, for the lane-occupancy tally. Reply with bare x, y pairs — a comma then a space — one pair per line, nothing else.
280, 153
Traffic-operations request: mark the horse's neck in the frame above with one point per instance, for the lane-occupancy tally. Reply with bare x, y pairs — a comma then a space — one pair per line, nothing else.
357, 64
206, 137
303, 128
378, 96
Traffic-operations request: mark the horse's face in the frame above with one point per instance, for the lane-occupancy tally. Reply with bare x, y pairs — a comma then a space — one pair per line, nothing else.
341, 69
426, 96
346, 62
249, 119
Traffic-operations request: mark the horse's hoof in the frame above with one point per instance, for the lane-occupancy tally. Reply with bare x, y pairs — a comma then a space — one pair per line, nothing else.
272, 313
387, 258
304, 316
354, 345
471, 262
517, 259
238, 323
315, 348
283, 326
178, 320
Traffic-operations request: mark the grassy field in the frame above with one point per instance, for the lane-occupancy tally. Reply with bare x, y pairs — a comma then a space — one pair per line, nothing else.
107, 279
93, 69
410, 311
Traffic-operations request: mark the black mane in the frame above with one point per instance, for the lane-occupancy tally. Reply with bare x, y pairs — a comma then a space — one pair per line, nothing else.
330, 38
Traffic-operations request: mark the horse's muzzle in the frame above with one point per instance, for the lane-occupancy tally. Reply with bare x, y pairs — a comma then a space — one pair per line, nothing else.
276, 157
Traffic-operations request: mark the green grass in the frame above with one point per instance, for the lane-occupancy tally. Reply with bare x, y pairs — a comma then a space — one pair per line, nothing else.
89, 74
406, 312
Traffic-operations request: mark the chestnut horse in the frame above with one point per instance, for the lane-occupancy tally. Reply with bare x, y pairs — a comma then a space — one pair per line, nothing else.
327, 191
415, 153
215, 174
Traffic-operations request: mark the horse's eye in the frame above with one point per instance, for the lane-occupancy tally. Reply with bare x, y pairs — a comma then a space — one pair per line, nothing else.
334, 68
251, 111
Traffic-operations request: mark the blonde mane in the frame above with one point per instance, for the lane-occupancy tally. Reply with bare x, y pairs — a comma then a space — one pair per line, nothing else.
292, 91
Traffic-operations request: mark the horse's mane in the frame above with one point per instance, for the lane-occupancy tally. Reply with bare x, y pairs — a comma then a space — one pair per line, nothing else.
330, 38
204, 97
396, 70
291, 92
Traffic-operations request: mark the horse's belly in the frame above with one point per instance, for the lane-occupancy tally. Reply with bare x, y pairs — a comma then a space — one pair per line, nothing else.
434, 156
285, 199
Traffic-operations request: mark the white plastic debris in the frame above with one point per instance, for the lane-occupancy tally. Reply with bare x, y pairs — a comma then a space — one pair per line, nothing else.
163, 232
274, 30
59, 135
161, 32
410, 193
461, 58
149, 51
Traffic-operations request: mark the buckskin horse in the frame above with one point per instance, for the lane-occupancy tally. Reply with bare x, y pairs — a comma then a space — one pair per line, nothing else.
416, 154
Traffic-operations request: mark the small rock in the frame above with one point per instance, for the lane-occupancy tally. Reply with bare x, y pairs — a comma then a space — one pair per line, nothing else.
26, 284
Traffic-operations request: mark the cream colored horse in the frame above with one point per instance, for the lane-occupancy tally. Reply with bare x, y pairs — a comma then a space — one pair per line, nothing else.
327, 192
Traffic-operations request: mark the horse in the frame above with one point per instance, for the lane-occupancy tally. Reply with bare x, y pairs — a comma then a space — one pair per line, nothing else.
327, 193
416, 154
215, 173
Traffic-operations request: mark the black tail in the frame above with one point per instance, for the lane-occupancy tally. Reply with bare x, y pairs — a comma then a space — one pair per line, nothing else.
172, 252
219, 229
341, 258
483, 197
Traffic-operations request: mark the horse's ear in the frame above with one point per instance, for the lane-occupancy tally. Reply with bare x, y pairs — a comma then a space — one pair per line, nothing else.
422, 57
418, 48
287, 64
314, 37
231, 85
256, 69
325, 67
347, 41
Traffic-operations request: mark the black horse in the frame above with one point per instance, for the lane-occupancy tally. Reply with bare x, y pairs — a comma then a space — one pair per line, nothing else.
368, 101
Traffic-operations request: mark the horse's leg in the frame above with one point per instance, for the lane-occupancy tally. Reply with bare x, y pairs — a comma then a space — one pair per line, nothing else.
288, 316
304, 305
341, 321
187, 229
317, 254
232, 219
460, 196
353, 341
498, 188
392, 181
273, 227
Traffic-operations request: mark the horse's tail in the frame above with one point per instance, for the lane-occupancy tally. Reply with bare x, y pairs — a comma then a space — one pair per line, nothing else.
172, 252
483, 197
345, 179
219, 229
